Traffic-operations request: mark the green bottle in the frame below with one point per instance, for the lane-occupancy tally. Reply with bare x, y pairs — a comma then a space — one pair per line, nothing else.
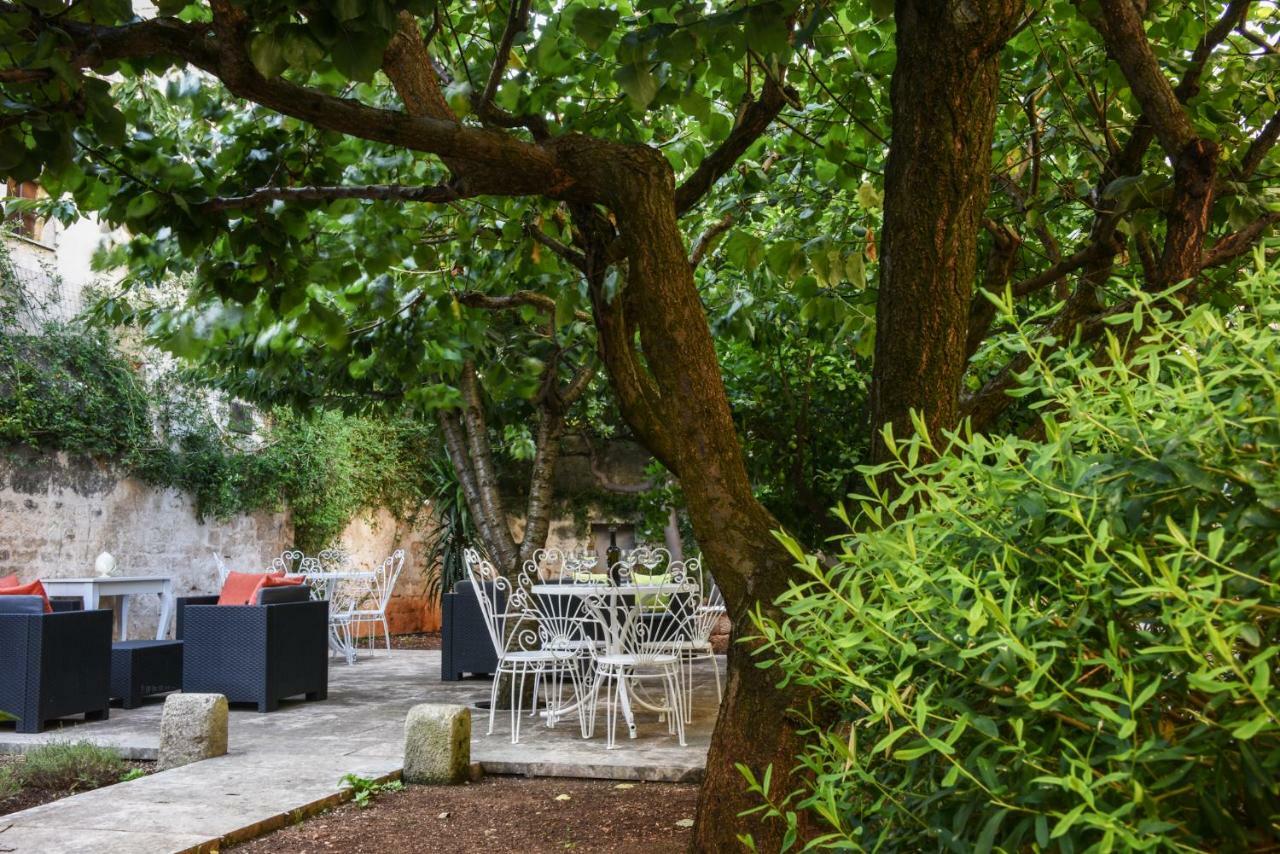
613, 557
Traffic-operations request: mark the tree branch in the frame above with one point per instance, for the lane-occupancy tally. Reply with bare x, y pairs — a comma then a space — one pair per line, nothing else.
1237, 243
505, 166
568, 253
509, 302
1257, 151
753, 122
372, 192
707, 240
517, 23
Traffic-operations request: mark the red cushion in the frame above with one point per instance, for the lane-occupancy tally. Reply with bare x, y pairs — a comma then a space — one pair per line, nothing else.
9, 581
240, 588
273, 580
35, 588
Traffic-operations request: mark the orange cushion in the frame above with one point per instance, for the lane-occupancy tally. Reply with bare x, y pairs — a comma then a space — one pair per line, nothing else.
240, 588
273, 580
9, 581
35, 588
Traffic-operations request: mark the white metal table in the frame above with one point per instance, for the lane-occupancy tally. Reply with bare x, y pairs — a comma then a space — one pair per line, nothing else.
323, 585
585, 591
92, 590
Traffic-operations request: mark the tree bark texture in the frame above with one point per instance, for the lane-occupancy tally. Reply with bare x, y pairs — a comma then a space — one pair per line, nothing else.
944, 93
674, 399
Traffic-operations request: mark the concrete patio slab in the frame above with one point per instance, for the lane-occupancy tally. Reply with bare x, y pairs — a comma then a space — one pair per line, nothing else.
288, 764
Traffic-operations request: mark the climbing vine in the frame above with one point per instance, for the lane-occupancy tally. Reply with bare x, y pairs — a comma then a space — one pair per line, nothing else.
70, 386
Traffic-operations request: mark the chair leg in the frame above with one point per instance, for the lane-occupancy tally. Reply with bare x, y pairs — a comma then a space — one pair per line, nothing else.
537, 683
386, 631
493, 697
673, 688
517, 696
715, 668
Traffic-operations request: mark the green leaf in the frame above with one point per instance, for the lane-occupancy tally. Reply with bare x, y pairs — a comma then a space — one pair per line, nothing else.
267, 55
594, 26
639, 84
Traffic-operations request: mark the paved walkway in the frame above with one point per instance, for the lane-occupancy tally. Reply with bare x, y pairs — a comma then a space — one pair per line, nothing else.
288, 763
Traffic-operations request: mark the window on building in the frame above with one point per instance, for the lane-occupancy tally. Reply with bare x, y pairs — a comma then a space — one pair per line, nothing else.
24, 223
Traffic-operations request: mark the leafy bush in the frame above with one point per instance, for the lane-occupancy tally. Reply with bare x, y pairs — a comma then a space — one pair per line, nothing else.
1068, 643
59, 390
68, 766
69, 388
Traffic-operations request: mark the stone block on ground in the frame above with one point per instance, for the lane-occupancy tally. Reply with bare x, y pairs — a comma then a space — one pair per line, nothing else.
192, 727
437, 744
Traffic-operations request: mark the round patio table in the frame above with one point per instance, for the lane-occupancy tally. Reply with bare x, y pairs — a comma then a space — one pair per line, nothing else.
630, 596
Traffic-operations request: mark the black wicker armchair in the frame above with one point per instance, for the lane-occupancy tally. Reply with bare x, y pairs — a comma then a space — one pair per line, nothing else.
257, 654
53, 665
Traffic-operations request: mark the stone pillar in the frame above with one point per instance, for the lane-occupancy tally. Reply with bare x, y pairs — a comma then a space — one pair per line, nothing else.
192, 727
437, 744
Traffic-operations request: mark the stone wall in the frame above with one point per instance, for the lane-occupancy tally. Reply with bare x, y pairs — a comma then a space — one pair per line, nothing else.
58, 513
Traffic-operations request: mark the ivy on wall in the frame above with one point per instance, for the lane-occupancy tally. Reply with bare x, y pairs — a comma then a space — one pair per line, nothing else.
69, 386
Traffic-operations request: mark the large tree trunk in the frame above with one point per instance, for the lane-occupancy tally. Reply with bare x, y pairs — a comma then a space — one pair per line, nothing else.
675, 402
944, 93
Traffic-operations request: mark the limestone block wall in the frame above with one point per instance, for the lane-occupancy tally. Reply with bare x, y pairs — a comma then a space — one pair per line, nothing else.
58, 513
370, 539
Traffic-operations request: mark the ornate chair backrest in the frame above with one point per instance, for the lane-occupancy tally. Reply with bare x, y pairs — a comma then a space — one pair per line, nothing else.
710, 603
494, 595
546, 564
289, 562
333, 560
648, 621
223, 570
559, 618
385, 577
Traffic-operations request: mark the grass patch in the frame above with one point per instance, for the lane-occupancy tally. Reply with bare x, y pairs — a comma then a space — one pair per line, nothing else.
68, 767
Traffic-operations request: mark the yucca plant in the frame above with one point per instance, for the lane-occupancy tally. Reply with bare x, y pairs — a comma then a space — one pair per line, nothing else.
455, 531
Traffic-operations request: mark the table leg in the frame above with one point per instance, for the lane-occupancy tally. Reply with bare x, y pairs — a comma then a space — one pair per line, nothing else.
124, 616
166, 611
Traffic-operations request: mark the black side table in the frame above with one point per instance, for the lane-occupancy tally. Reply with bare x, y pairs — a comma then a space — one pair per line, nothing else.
140, 668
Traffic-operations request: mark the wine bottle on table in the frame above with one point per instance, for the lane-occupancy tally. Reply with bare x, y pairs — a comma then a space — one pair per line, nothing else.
613, 557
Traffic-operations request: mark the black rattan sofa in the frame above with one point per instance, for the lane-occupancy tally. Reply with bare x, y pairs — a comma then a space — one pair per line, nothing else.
53, 665
258, 654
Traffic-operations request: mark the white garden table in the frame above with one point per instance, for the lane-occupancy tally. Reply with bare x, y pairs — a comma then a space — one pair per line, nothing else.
633, 592
324, 584
92, 590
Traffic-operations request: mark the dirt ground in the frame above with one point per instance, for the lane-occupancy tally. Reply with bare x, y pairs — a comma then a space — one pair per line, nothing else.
516, 814
424, 640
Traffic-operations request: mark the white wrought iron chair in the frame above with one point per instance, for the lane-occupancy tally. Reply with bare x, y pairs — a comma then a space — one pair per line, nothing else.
526, 639
222, 568
290, 562
564, 615
702, 622
639, 659
377, 597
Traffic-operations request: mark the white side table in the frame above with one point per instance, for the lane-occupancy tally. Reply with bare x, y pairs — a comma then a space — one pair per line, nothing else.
92, 590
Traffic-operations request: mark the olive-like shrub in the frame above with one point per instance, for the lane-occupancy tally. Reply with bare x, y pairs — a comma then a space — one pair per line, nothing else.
1066, 642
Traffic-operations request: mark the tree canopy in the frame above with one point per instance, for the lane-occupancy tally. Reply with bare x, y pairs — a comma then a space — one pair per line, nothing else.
810, 195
